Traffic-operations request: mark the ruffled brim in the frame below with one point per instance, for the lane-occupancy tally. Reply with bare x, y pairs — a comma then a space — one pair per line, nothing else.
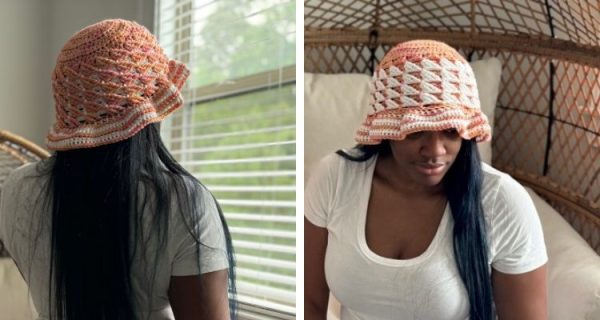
396, 124
165, 101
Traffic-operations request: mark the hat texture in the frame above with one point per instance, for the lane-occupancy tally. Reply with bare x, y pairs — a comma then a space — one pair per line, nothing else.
111, 80
423, 85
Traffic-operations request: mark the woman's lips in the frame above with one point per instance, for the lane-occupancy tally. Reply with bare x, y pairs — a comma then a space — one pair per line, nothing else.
430, 169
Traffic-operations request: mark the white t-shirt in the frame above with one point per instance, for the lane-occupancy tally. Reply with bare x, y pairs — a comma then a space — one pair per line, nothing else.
20, 218
429, 286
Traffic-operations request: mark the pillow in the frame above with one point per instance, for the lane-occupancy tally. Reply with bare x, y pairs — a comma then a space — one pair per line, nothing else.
573, 267
336, 104
487, 73
15, 301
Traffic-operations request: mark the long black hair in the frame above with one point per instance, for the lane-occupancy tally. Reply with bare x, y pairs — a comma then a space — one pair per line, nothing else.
462, 184
98, 197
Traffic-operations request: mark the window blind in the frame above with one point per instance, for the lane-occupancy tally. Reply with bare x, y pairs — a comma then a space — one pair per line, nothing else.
236, 132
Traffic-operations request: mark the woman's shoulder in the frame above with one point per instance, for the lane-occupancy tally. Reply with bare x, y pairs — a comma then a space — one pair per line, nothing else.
24, 170
515, 232
324, 166
19, 193
26, 174
332, 159
183, 187
343, 159
496, 181
335, 168
505, 197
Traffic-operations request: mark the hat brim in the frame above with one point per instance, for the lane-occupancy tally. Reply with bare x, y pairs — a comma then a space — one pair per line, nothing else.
396, 124
165, 101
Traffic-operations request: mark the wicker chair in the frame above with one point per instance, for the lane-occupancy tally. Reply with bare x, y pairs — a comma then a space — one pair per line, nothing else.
547, 116
14, 152
547, 132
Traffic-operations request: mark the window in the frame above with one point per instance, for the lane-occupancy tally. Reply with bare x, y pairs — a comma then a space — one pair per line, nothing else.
236, 132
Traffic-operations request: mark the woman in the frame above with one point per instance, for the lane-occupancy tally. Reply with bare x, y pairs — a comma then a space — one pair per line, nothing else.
111, 227
409, 224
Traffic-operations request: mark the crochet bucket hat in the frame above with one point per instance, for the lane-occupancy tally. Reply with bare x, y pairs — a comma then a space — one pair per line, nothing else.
111, 80
423, 85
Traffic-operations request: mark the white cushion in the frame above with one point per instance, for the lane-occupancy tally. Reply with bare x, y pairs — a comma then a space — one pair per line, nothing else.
573, 268
14, 298
487, 73
336, 104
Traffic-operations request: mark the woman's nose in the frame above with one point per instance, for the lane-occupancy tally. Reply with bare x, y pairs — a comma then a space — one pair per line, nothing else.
433, 145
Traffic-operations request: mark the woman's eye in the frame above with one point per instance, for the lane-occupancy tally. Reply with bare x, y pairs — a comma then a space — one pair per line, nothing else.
451, 132
414, 135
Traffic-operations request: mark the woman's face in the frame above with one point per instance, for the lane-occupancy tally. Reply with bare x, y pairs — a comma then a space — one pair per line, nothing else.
425, 157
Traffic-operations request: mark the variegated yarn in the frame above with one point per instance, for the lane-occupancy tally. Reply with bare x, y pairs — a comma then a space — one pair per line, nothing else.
423, 85
111, 80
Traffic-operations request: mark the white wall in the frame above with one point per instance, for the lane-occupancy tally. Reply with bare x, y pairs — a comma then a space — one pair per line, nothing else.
24, 68
32, 33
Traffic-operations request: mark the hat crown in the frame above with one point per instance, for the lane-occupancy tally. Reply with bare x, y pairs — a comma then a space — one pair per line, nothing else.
104, 70
422, 73
106, 75
105, 37
423, 85
418, 50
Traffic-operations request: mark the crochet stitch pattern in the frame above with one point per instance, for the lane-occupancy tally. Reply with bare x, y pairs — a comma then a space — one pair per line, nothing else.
110, 81
423, 85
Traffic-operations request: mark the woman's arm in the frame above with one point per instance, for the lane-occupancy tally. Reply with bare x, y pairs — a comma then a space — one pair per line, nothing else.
521, 296
200, 296
316, 291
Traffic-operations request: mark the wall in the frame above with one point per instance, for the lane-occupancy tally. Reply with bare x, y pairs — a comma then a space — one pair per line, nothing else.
24, 68
32, 33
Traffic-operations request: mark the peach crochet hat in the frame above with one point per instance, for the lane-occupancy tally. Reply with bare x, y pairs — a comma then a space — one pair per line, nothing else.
423, 85
111, 80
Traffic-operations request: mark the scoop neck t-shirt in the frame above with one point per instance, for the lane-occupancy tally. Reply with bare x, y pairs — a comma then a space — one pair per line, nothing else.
370, 286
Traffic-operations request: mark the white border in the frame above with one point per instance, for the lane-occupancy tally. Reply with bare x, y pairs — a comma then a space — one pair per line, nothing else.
299, 159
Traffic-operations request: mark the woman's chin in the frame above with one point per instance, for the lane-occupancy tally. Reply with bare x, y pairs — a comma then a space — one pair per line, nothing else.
431, 181
429, 178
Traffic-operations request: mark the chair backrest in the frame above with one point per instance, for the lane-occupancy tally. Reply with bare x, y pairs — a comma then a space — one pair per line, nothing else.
15, 151
547, 124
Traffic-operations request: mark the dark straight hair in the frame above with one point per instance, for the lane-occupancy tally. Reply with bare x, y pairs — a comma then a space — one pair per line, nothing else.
99, 196
462, 184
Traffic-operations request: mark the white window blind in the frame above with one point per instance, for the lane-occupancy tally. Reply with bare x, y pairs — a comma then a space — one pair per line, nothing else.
236, 132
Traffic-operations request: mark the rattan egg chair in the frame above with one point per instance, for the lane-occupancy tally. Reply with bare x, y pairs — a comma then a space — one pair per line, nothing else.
14, 152
547, 132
